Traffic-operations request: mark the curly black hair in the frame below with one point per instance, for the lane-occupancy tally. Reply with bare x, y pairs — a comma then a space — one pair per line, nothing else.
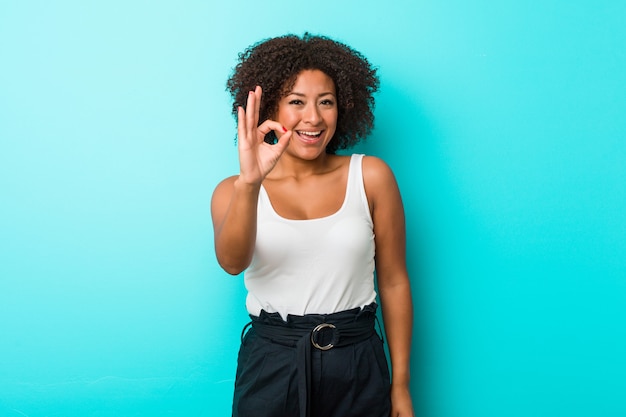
275, 63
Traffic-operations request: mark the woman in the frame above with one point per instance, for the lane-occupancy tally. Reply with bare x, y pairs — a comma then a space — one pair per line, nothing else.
309, 228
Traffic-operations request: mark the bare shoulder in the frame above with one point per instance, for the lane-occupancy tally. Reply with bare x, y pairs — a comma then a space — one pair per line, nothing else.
377, 174
223, 191
381, 188
225, 185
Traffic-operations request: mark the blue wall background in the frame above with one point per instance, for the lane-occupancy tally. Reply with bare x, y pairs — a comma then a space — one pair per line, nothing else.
504, 123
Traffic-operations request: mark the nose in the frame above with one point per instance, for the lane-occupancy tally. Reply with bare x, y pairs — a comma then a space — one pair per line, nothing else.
312, 114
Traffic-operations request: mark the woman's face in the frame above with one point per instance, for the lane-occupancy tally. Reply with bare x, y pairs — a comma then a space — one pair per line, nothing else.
310, 111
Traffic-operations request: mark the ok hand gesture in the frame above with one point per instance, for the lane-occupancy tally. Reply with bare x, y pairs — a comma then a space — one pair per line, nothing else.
256, 157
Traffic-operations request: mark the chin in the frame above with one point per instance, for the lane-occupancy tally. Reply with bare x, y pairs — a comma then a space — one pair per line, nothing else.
308, 154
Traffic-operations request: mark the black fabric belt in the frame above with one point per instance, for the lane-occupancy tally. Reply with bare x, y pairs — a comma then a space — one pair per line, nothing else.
315, 331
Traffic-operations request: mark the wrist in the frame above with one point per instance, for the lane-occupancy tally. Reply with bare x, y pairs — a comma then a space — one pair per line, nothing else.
244, 185
400, 379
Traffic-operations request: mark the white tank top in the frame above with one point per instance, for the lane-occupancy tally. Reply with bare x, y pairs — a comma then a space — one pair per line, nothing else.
316, 266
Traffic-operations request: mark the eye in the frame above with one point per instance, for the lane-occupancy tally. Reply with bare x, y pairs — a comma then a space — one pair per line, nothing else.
327, 102
295, 102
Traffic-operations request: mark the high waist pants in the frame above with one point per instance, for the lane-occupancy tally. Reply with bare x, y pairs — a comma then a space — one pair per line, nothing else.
344, 381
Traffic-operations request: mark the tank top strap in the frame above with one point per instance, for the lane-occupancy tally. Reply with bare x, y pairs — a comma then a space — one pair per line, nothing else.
356, 196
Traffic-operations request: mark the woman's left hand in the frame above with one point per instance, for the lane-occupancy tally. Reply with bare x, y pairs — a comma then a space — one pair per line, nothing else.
401, 404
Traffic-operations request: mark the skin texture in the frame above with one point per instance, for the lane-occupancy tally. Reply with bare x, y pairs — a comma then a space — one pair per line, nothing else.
305, 182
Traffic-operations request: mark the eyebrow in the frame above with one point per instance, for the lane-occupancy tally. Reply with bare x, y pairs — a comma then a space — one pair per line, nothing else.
294, 93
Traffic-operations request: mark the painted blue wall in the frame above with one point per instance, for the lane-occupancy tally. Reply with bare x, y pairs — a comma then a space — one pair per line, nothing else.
504, 122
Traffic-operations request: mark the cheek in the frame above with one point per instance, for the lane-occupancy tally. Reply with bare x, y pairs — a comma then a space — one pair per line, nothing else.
331, 120
287, 119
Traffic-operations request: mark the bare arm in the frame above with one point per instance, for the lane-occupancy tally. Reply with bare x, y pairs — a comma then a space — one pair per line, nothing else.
234, 202
392, 275
233, 209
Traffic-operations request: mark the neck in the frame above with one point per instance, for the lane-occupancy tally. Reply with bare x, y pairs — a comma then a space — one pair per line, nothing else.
288, 166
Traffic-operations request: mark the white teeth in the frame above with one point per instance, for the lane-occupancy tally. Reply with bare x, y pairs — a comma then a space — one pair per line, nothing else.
310, 133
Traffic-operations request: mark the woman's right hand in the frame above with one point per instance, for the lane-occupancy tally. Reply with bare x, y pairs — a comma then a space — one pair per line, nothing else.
256, 157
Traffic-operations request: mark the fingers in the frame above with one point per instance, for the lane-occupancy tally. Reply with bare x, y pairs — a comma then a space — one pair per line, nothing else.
248, 119
252, 113
282, 134
269, 125
253, 107
241, 123
248, 128
283, 141
258, 93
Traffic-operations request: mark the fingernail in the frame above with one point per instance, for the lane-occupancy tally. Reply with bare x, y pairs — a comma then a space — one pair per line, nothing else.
284, 129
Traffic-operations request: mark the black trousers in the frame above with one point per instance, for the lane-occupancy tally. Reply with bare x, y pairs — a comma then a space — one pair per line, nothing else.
347, 380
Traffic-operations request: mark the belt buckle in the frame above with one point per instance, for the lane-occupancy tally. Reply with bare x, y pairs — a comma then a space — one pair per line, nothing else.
317, 329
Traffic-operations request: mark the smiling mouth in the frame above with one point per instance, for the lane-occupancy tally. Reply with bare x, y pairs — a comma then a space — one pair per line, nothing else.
310, 135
